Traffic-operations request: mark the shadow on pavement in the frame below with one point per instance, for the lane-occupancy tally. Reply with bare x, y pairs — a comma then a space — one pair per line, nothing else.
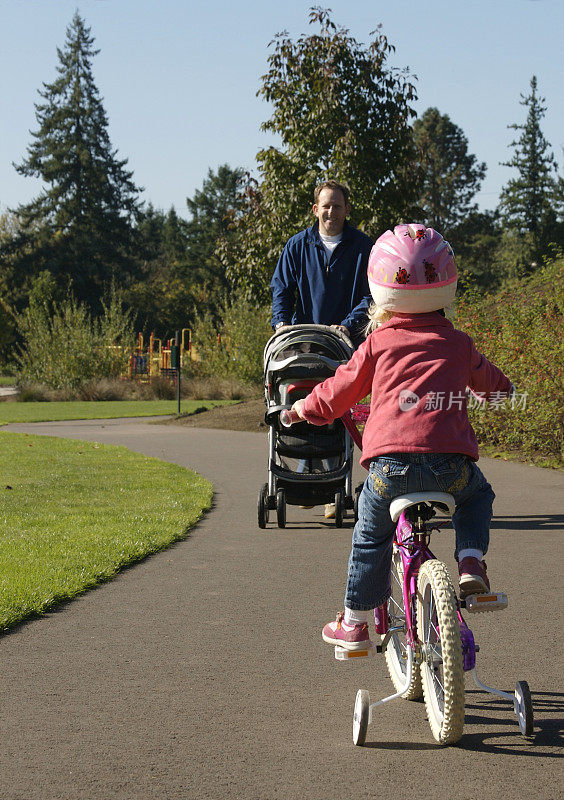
402, 745
507, 738
529, 522
540, 522
548, 708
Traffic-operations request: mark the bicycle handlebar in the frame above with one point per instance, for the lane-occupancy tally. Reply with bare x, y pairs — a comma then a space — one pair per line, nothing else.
289, 418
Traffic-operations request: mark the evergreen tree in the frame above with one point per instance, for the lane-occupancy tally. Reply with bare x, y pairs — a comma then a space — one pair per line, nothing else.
13, 295
476, 241
532, 202
151, 223
451, 175
174, 240
80, 226
215, 210
181, 272
161, 297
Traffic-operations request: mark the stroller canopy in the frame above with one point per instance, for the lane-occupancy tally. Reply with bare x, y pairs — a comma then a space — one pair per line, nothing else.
319, 343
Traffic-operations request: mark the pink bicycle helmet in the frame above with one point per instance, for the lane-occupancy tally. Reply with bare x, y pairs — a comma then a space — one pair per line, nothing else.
411, 270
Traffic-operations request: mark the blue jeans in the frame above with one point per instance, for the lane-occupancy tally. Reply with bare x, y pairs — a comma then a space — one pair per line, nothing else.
368, 582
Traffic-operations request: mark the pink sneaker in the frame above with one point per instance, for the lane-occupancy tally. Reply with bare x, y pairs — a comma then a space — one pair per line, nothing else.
473, 578
351, 637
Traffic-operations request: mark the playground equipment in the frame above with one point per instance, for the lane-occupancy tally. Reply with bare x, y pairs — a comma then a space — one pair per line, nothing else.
158, 358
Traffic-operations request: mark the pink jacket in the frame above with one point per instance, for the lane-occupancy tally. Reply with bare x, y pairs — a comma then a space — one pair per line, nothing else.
417, 368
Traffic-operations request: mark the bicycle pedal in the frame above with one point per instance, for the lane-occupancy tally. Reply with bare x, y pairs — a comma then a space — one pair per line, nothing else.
342, 654
478, 603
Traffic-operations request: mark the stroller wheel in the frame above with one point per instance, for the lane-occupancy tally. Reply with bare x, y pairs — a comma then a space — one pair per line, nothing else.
262, 506
339, 508
281, 508
357, 492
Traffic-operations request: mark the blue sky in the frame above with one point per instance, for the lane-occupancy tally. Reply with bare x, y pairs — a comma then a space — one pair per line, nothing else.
179, 77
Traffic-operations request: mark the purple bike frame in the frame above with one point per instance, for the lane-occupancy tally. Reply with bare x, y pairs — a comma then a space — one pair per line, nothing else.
414, 552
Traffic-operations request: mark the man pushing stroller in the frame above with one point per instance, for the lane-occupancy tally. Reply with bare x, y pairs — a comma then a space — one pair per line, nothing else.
321, 275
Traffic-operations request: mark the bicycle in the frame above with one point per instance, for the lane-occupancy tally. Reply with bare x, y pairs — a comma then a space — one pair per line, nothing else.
428, 645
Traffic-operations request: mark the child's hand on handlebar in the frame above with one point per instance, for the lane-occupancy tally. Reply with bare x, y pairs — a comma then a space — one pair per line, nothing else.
289, 417
297, 408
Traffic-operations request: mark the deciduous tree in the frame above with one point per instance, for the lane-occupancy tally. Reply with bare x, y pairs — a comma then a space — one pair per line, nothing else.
341, 111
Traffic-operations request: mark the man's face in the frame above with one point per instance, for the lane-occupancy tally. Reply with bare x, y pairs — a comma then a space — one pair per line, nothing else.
331, 210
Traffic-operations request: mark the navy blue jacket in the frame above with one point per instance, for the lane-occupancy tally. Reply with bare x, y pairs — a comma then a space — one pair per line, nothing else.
306, 287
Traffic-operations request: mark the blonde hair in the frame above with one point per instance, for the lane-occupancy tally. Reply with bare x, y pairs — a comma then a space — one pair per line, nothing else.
378, 315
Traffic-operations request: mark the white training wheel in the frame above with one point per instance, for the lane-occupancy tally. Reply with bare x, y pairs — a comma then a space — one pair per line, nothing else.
360, 719
524, 708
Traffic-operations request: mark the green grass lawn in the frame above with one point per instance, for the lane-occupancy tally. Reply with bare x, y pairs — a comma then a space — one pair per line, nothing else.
73, 513
104, 409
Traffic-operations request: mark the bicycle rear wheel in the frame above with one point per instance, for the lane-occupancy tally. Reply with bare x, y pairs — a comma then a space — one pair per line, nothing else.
396, 651
442, 674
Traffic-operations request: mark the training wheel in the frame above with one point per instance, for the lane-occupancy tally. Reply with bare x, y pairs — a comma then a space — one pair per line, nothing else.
360, 719
524, 708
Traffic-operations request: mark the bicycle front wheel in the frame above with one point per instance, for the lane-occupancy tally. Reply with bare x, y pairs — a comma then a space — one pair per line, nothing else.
442, 673
396, 651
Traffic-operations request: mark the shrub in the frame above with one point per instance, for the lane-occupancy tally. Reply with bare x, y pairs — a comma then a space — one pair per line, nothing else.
214, 388
159, 389
519, 328
65, 347
105, 389
34, 392
234, 348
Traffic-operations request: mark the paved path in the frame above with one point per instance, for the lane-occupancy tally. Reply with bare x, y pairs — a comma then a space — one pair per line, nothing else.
200, 673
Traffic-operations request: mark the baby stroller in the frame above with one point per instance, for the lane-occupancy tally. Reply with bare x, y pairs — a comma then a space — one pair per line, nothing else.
308, 465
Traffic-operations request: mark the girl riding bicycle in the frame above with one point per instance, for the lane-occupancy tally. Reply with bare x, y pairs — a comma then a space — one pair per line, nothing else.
416, 367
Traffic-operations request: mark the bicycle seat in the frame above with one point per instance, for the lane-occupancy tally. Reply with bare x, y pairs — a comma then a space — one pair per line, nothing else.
442, 500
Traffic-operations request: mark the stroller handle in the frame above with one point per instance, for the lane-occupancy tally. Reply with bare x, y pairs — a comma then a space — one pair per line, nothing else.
289, 417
